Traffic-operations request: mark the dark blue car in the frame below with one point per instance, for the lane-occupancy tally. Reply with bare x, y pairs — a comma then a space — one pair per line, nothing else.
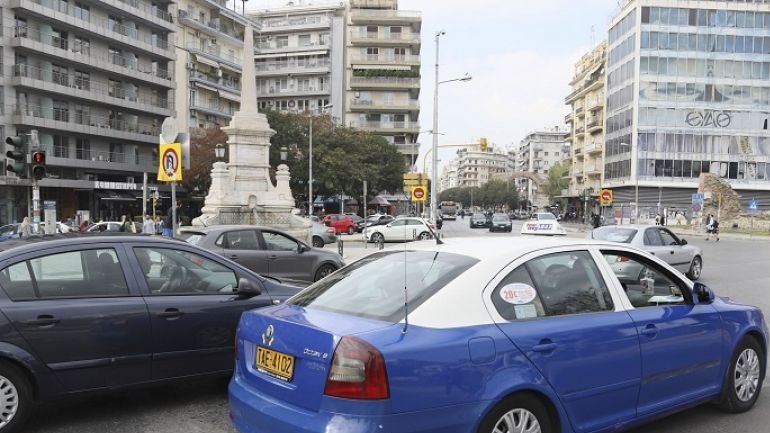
85, 313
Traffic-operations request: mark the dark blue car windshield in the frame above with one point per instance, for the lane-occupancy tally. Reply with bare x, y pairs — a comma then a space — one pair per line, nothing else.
373, 287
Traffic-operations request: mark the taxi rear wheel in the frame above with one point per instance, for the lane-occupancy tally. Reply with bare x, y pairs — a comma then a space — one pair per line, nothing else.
744, 377
518, 413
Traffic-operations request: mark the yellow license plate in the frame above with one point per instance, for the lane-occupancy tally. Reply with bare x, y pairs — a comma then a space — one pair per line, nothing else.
275, 363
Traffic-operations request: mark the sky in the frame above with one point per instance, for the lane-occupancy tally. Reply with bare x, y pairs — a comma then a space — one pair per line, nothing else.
520, 53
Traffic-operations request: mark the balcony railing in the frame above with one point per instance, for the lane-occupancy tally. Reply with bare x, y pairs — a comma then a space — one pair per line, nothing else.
388, 125
211, 24
389, 104
80, 118
148, 8
213, 105
385, 36
312, 90
595, 124
63, 44
385, 81
223, 82
295, 21
99, 89
385, 58
86, 16
216, 51
386, 13
593, 147
294, 65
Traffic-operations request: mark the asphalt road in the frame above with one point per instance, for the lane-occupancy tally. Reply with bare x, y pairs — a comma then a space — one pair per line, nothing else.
737, 268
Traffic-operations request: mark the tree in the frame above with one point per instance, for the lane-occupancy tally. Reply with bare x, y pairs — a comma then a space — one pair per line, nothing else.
342, 157
556, 181
202, 143
493, 194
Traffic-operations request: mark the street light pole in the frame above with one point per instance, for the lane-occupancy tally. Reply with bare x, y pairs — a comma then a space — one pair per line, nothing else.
433, 176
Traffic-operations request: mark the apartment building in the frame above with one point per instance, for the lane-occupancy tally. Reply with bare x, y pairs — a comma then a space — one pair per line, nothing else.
209, 54
536, 154
300, 58
449, 177
95, 80
475, 167
382, 73
586, 127
687, 93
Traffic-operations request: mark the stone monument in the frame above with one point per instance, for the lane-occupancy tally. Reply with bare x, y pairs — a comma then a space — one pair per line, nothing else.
241, 190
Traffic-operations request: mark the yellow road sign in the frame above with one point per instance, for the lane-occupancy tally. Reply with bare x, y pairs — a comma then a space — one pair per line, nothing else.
170, 162
419, 193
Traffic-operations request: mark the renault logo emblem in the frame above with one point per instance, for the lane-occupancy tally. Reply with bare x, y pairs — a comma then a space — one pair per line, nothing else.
268, 336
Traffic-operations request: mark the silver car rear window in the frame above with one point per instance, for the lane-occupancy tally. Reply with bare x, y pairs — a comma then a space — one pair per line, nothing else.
614, 234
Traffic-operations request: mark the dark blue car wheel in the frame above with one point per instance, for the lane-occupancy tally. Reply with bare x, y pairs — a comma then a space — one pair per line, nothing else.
15, 398
744, 377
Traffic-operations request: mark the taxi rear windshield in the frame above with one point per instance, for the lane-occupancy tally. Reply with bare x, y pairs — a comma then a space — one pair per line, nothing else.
374, 287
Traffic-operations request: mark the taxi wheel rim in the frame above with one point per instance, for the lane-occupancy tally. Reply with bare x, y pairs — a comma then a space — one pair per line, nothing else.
696, 268
517, 421
9, 401
747, 371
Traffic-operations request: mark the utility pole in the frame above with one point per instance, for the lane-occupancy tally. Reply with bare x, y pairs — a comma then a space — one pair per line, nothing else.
35, 145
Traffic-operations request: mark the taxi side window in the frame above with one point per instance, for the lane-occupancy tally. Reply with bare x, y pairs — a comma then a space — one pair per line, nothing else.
645, 284
553, 285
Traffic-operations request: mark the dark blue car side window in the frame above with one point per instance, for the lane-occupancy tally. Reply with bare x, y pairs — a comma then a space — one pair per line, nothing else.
17, 282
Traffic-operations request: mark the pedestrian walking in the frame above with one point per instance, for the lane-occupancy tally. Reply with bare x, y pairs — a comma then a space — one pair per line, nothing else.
148, 226
712, 227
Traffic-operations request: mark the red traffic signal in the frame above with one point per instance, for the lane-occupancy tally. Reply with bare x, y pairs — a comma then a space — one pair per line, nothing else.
38, 164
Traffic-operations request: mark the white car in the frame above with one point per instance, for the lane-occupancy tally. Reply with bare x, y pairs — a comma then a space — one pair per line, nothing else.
401, 230
543, 223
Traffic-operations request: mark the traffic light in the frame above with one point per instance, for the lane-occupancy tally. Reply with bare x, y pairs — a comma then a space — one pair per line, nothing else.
19, 164
38, 164
483, 144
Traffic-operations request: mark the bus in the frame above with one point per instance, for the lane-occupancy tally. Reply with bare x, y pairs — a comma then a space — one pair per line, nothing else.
448, 210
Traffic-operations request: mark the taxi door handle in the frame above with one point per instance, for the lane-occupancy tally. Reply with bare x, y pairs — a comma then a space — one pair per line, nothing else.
649, 330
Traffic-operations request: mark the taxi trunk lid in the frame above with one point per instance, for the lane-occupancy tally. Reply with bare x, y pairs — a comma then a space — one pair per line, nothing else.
304, 338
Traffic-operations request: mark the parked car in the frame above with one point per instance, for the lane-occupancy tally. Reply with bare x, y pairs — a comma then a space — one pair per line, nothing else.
479, 220
341, 223
377, 220
9, 231
109, 226
500, 223
97, 312
356, 218
543, 223
401, 230
539, 335
266, 251
323, 235
656, 240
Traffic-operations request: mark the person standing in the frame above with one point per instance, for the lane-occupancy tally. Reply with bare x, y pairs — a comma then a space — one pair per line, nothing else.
148, 227
24, 231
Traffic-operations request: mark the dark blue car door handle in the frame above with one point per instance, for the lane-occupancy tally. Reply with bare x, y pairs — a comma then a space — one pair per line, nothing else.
649, 330
42, 320
544, 346
171, 313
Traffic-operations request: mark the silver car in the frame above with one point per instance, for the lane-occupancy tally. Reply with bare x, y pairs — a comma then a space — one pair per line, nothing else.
323, 235
656, 240
266, 251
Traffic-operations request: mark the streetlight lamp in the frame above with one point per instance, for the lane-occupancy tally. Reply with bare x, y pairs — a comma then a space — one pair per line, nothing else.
284, 153
310, 162
434, 174
219, 151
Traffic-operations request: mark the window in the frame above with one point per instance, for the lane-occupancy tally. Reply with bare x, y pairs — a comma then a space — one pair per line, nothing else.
61, 111
552, 285
88, 273
82, 46
59, 74
82, 148
239, 240
304, 40
179, 272
82, 80
278, 242
645, 284
17, 282
652, 237
282, 41
61, 146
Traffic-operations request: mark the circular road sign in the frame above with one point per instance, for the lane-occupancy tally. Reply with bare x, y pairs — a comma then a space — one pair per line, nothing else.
170, 162
418, 193
606, 196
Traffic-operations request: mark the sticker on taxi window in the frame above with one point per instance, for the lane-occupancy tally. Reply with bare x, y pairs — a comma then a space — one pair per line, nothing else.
518, 293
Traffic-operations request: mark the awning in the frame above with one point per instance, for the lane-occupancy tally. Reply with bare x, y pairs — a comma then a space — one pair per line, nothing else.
272, 55
206, 61
110, 195
386, 67
230, 68
207, 87
230, 96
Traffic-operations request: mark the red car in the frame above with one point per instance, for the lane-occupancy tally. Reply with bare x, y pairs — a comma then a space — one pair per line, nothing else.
341, 223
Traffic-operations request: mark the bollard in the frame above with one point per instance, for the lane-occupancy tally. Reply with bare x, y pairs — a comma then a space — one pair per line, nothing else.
340, 247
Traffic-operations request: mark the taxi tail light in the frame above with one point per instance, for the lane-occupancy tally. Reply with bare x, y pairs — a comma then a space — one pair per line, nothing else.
357, 371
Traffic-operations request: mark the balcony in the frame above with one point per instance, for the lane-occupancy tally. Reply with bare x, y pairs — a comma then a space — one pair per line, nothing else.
384, 83
578, 151
385, 16
595, 125
580, 131
144, 11
314, 48
101, 160
84, 123
93, 90
568, 118
595, 103
368, 105
213, 107
593, 170
212, 27
77, 18
221, 83
295, 23
293, 91
214, 52
593, 148
385, 59
389, 127
52, 45
264, 69
579, 112
386, 38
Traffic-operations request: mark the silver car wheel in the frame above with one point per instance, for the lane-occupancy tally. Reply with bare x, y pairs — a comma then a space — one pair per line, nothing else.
9, 401
747, 372
695, 268
517, 421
